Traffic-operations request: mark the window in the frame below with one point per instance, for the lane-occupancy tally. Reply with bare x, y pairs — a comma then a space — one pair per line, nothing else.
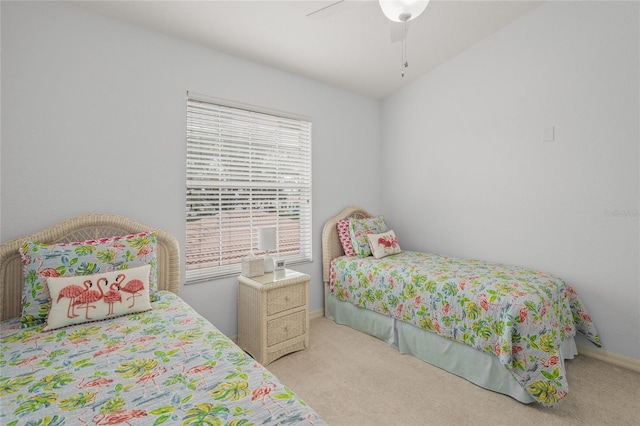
247, 168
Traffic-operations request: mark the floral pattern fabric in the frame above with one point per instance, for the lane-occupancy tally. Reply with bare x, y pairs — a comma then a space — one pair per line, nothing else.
518, 315
164, 366
358, 230
42, 260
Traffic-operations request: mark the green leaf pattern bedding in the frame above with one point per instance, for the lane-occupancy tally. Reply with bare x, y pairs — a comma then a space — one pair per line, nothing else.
519, 315
164, 366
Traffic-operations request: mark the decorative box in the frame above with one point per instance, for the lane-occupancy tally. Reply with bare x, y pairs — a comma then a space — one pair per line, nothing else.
252, 266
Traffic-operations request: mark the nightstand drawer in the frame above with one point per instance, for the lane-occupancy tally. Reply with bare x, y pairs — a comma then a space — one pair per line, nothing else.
285, 328
284, 298
273, 314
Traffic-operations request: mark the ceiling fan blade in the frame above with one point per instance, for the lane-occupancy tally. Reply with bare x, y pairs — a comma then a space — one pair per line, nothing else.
326, 10
398, 30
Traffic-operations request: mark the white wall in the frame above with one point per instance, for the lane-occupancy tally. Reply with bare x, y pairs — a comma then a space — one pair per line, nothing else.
93, 120
469, 175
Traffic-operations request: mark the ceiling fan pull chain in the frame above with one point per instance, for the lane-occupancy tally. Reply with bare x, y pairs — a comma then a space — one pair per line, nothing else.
406, 31
402, 59
405, 63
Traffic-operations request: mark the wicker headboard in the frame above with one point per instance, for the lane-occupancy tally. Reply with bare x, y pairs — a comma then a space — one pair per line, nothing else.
331, 247
86, 227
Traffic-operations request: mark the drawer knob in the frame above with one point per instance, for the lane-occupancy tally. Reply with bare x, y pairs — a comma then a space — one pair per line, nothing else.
286, 298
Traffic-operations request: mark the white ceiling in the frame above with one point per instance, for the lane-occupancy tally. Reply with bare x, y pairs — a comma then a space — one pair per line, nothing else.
348, 45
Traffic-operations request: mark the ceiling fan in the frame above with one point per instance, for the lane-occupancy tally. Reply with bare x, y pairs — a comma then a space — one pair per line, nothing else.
399, 13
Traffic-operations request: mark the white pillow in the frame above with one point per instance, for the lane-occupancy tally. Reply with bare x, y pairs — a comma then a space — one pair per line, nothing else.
85, 298
383, 244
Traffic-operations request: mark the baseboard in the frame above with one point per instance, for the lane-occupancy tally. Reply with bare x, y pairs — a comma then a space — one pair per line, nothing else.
316, 314
609, 357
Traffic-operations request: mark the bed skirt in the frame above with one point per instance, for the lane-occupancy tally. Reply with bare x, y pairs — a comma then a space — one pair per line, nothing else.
469, 363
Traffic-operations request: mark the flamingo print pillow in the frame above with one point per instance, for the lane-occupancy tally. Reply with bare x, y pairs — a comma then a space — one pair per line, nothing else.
41, 261
345, 237
85, 298
383, 244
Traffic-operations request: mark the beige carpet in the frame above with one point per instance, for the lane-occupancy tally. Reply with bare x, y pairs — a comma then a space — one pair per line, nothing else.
354, 379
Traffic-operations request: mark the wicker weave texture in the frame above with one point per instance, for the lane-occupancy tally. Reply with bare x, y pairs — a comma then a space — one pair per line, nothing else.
287, 297
331, 246
81, 228
286, 328
273, 318
249, 317
274, 354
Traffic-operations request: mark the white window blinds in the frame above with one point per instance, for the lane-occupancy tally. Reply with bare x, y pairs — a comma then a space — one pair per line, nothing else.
246, 169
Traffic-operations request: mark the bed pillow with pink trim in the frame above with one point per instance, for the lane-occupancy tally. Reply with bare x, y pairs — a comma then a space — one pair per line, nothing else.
42, 260
86, 298
359, 228
345, 237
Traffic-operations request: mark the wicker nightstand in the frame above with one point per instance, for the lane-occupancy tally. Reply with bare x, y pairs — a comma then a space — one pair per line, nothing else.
273, 314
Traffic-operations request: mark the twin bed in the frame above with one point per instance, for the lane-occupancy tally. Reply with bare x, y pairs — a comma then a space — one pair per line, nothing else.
505, 328
156, 364
119, 358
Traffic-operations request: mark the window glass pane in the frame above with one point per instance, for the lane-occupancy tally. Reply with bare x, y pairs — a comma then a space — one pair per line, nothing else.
245, 170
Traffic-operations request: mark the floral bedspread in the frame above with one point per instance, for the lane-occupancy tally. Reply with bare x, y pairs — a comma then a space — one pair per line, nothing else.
519, 315
164, 366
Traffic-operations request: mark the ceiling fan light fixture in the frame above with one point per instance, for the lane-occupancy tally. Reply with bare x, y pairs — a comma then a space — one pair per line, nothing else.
402, 10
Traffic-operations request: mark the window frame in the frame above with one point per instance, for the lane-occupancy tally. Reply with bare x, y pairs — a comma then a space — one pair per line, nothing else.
263, 159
